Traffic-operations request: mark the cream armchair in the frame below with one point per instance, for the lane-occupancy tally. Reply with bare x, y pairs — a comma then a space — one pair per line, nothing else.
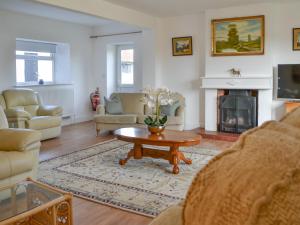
19, 153
23, 109
134, 113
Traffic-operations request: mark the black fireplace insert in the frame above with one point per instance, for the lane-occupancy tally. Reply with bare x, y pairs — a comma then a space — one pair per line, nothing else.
238, 111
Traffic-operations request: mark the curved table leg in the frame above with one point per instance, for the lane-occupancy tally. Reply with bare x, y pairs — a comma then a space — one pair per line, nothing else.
130, 154
136, 153
182, 157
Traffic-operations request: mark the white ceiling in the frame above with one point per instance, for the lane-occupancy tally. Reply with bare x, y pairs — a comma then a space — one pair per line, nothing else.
31, 8
164, 8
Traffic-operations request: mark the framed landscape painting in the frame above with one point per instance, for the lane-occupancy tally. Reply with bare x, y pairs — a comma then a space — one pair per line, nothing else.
182, 46
296, 39
238, 36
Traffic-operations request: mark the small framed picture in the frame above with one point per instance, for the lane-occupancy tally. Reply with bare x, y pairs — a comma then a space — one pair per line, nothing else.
182, 46
296, 39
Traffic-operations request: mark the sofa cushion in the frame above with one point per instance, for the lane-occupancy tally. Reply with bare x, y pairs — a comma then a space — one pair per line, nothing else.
43, 122
292, 118
113, 105
256, 185
14, 163
170, 110
116, 119
172, 120
132, 102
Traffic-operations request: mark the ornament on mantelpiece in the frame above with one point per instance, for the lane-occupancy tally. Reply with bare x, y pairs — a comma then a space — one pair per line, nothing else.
235, 72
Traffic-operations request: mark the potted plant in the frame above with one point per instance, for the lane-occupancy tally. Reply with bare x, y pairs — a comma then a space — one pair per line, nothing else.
154, 99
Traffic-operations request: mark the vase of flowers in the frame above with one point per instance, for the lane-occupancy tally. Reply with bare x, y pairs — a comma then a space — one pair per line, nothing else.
154, 99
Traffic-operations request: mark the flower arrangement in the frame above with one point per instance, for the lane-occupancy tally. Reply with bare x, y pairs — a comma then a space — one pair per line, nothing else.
154, 99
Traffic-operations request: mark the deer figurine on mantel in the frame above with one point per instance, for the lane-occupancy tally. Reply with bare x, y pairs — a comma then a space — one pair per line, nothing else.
235, 72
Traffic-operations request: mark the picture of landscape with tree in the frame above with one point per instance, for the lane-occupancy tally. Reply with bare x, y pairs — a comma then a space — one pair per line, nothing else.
238, 36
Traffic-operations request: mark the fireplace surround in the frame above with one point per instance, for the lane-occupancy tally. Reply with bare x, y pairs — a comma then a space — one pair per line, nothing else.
262, 84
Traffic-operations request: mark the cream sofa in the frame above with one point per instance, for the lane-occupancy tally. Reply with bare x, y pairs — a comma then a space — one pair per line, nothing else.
134, 113
23, 109
254, 182
19, 153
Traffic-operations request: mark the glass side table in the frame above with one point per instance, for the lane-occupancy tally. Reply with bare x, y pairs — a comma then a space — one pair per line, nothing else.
32, 203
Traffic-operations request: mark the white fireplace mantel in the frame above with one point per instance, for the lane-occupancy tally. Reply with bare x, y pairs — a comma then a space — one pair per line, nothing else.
263, 84
250, 83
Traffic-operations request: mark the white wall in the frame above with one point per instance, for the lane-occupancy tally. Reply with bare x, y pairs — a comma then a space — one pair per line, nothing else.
15, 25
144, 68
249, 65
182, 73
280, 18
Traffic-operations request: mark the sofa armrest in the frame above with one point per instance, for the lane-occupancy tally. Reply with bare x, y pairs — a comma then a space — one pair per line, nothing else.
100, 110
19, 139
17, 114
180, 111
50, 110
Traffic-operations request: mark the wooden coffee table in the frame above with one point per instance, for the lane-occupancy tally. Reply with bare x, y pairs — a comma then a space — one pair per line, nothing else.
170, 138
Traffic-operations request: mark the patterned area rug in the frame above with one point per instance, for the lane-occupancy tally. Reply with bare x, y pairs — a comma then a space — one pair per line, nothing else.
145, 186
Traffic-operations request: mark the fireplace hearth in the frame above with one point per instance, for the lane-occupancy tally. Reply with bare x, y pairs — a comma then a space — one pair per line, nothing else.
237, 110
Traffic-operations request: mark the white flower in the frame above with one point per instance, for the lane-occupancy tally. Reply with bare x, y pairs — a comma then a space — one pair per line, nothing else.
151, 104
171, 101
164, 102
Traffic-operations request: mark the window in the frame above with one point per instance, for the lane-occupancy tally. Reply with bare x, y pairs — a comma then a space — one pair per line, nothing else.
34, 62
125, 66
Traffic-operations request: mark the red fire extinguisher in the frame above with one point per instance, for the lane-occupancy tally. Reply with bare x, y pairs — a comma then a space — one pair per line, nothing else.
95, 98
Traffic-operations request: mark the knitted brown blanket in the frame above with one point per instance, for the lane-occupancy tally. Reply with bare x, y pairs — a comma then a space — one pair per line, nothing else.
255, 182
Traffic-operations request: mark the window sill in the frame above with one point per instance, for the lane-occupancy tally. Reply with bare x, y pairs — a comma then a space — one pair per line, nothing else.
42, 85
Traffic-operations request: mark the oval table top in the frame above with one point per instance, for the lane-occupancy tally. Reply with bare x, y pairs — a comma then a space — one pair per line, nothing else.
167, 138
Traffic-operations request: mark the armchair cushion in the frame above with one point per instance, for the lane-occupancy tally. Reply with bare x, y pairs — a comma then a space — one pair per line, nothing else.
171, 216
17, 113
116, 119
49, 110
14, 163
3, 120
18, 139
43, 122
20, 97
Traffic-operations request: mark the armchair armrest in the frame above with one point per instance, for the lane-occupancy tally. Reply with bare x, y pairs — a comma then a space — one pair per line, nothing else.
50, 110
19, 139
17, 114
100, 110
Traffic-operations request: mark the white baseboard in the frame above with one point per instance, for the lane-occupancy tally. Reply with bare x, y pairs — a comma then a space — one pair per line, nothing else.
191, 126
81, 119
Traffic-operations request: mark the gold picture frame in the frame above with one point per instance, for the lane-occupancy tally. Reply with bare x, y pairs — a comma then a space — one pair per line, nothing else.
296, 39
182, 46
238, 36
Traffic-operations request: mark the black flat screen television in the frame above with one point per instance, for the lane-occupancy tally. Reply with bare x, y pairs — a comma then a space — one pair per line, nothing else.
288, 82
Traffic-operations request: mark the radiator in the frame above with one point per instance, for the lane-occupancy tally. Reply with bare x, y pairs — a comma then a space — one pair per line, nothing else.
62, 95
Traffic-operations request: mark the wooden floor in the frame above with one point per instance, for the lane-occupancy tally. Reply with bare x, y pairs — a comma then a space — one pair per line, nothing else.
79, 136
